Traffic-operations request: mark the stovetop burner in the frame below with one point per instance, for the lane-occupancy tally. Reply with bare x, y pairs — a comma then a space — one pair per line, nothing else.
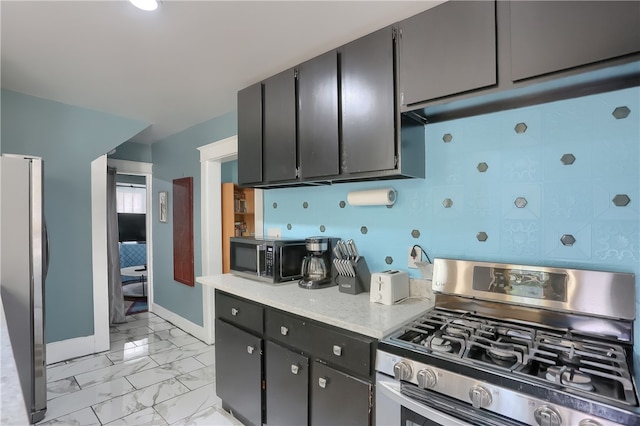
552, 358
439, 344
569, 377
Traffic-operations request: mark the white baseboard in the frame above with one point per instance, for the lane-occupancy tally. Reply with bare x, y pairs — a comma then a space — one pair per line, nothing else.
191, 328
86, 345
70, 348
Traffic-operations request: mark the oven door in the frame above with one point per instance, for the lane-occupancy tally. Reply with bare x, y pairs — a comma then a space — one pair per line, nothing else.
395, 407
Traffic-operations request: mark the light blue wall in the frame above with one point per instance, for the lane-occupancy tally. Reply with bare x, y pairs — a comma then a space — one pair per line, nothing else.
133, 152
173, 158
68, 139
561, 199
229, 172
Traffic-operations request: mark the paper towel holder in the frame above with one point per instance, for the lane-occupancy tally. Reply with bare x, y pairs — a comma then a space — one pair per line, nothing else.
373, 197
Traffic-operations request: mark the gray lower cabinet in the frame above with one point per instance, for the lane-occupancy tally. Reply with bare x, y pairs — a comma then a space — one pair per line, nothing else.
287, 386
446, 50
331, 388
239, 372
550, 36
276, 368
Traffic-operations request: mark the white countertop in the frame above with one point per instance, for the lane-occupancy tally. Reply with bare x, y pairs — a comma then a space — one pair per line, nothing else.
12, 406
327, 305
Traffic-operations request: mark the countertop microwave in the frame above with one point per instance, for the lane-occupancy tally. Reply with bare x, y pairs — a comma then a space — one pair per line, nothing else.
273, 261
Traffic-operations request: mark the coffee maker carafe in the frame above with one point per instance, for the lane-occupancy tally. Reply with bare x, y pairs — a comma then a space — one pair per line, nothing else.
317, 264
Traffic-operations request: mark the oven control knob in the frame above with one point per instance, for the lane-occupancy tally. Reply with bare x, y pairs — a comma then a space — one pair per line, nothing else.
589, 422
546, 415
402, 371
480, 397
427, 378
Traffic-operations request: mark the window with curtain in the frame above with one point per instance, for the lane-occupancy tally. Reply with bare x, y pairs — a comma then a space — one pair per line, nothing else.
131, 199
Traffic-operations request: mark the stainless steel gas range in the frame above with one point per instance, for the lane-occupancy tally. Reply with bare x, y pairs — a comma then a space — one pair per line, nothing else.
513, 345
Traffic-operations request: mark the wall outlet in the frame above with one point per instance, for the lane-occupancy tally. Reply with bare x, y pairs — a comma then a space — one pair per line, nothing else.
274, 232
411, 262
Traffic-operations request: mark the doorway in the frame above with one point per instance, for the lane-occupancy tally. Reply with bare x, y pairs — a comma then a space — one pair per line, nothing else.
132, 209
99, 341
138, 284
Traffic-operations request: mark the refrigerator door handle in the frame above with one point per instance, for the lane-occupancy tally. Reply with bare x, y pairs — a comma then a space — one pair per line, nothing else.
46, 249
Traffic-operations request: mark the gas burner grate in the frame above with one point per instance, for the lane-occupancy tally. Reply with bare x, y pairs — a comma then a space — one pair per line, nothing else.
572, 362
555, 358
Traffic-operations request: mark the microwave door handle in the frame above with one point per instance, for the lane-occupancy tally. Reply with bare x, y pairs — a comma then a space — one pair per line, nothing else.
261, 266
258, 266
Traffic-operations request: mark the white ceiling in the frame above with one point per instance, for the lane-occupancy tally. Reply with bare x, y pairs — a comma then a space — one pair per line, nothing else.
180, 65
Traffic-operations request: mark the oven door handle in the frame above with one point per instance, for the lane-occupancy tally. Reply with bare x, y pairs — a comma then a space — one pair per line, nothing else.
391, 389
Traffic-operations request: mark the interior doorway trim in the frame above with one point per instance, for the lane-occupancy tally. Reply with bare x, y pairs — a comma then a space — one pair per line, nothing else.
142, 169
211, 158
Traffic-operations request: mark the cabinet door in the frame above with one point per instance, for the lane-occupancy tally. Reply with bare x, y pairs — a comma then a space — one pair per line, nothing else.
279, 139
338, 399
548, 36
318, 137
287, 384
250, 135
368, 103
239, 371
446, 50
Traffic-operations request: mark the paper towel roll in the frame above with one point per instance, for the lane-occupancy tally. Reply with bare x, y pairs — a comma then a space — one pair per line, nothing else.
372, 197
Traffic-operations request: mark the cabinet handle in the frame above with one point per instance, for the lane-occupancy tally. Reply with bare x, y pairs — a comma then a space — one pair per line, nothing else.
284, 330
322, 382
250, 349
294, 368
234, 312
337, 350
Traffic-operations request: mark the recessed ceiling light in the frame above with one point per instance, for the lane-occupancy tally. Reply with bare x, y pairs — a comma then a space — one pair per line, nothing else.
147, 5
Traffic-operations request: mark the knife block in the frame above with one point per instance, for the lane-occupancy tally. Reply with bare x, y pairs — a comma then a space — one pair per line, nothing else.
358, 284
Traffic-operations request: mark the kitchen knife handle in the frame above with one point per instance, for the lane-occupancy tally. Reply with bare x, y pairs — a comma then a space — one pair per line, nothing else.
352, 246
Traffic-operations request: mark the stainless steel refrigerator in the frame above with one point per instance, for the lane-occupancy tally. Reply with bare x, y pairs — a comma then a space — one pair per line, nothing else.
24, 258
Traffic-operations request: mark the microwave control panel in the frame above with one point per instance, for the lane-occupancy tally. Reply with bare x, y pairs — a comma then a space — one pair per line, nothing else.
268, 261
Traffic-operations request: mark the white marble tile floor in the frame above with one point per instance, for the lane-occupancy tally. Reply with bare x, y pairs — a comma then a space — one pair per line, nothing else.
153, 374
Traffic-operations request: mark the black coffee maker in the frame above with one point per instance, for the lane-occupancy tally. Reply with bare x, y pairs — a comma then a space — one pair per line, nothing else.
317, 265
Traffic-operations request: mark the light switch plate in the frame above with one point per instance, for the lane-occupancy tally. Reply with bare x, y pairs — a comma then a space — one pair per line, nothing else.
411, 261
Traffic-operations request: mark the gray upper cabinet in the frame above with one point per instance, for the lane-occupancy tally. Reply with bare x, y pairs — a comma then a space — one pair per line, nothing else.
447, 50
318, 134
550, 36
250, 135
279, 121
368, 103
358, 113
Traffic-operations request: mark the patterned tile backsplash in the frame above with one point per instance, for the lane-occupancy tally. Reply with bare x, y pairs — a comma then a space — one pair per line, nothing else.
556, 184
553, 184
